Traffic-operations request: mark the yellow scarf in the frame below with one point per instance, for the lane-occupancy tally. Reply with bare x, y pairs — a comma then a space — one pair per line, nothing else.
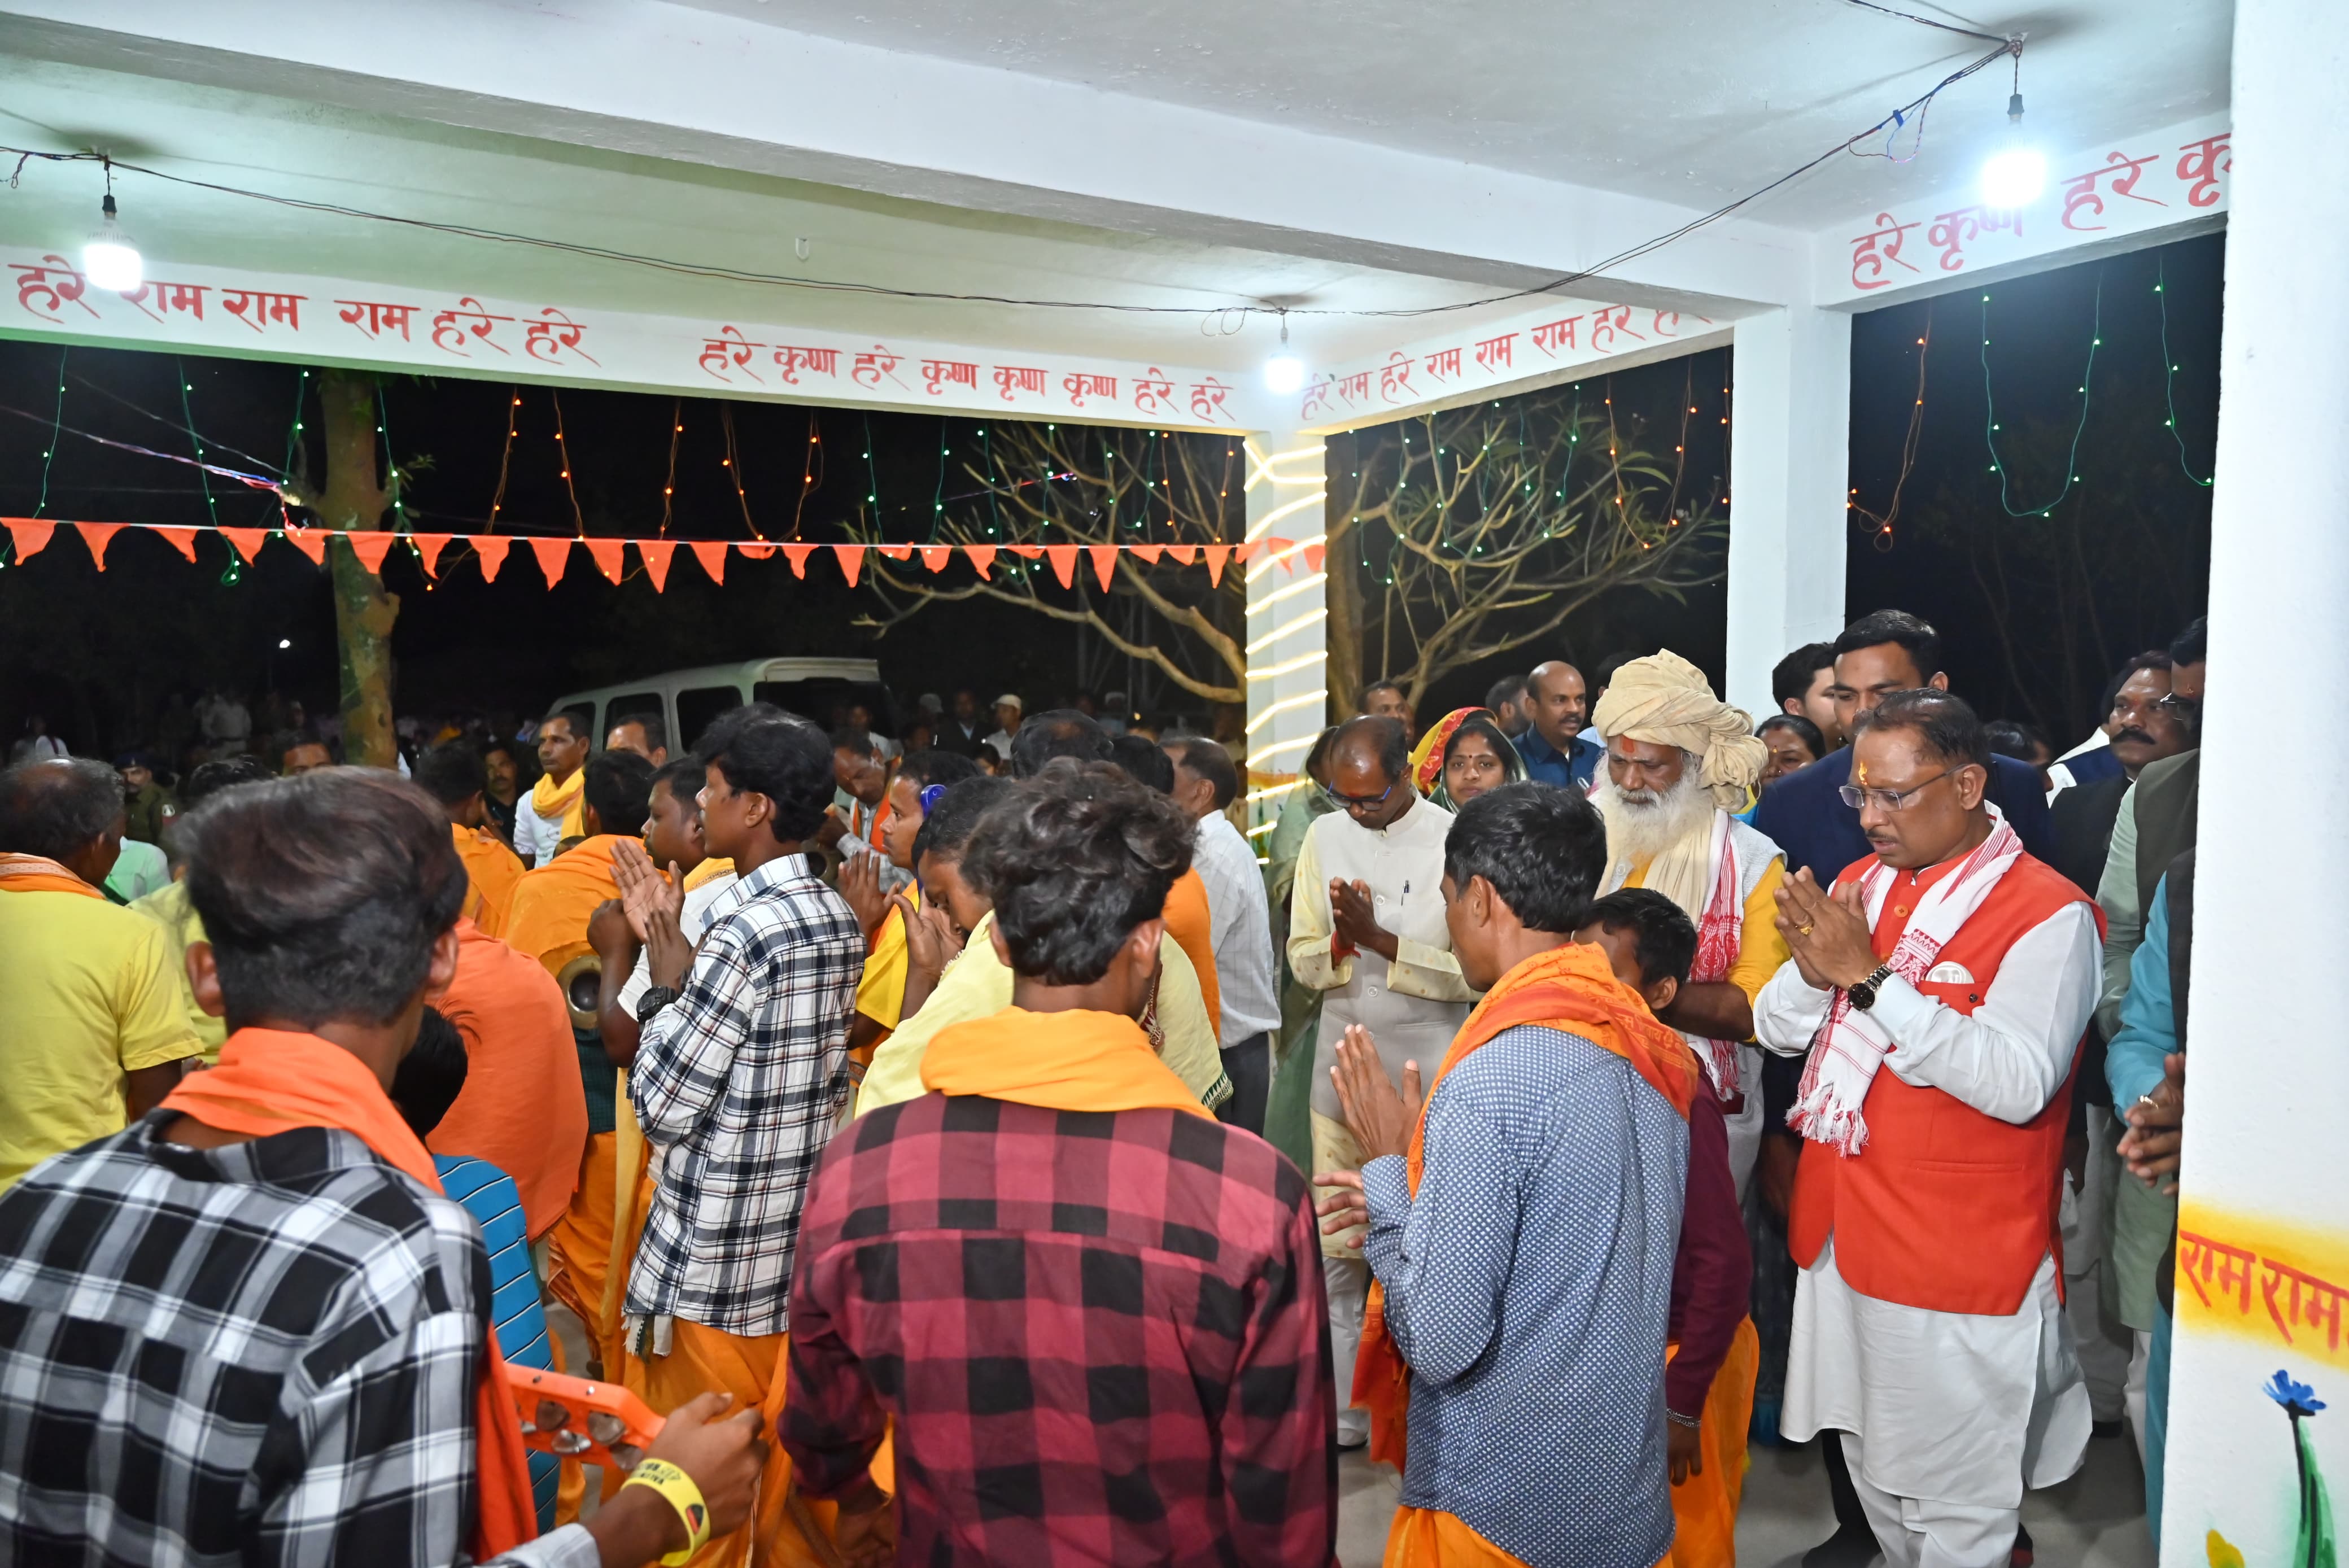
567, 801
1061, 1061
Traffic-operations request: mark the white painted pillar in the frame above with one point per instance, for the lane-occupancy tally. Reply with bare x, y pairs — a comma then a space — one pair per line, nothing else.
1287, 678
1789, 456
2268, 1091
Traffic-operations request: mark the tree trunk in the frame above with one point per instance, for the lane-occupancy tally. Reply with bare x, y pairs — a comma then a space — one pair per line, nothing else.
354, 502
1342, 593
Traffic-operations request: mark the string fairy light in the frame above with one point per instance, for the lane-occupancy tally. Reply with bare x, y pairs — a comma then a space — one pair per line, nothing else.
732, 464
2169, 372
505, 457
1882, 521
563, 450
669, 485
1990, 410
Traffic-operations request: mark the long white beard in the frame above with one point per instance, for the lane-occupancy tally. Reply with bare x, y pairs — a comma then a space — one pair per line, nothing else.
1640, 827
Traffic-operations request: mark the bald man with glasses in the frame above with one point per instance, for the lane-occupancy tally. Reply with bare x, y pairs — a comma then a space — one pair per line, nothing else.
1366, 929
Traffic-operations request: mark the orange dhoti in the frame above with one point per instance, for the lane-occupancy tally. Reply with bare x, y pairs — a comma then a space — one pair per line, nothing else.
579, 1247
751, 1367
1704, 1506
1425, 1538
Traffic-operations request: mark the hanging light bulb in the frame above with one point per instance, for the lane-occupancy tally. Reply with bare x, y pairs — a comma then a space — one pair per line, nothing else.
1284, 372
2017, 172
109, 258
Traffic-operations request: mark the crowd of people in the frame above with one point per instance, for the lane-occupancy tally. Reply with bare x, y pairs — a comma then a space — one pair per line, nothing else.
985, 1148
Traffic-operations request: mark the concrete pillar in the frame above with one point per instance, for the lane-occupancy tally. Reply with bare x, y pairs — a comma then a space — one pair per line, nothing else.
1287, 678
2263, 1245
1789, 447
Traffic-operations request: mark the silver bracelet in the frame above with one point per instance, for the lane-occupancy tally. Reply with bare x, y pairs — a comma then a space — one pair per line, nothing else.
1677, 1419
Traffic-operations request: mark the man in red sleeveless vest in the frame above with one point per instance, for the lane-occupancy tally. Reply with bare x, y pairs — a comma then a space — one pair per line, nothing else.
1942, 989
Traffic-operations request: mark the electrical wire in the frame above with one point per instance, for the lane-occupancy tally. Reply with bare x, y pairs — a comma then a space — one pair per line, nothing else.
1927, 21
258, 481
1897, 118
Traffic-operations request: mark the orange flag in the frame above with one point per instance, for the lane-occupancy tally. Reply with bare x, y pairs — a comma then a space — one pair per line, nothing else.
1105, 562
1063, 558
552, 555
96, 535
310, 541
797, 555
247, 540
982, 557
1149, 553
851, 561
759, 551
491, 547
1313, 553
655, 553
179, 536
429, 547
711, 553
896, 551
606, 553
370, 547
30, 535
1184, 554
935, 556
1216, 555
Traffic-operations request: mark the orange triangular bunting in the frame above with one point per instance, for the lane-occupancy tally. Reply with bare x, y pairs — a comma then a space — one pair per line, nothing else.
1244, 554
246, 541
982, 557
491, 547
1313, 553
851, 561
935, 556
711, 553
1063, 558
552, 555
797, 555
1104, 558
1280, 549
31, 534
759, 551
1149, 553
896, 551
429, 547
607, 554
180, 536
370, 546
1216, 555
655, 553
96, 535
1184, 554
310, 541
1031, 552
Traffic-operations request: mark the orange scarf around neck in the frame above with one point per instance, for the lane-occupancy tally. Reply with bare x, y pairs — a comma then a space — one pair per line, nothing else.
547, 913
1062, 1061
272, 1080
1569, 988
35, 873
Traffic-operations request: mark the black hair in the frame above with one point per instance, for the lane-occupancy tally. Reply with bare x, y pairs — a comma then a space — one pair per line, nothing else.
1945, 726
1211, 760
1385, 734
1376, 686
1791, 676
1507, 689
934, 766
1074, 859
431, 1075
1542, 848
853, 738
2013, 738
677, 770
1923, 643
1664, 937
453, 773
1802, 728
209, 779
946, 827
1476, 723
619, 786
731, 719
1145, 762
656, 728
786, 759
2192, 646
1054, 734
322, 893
55, 807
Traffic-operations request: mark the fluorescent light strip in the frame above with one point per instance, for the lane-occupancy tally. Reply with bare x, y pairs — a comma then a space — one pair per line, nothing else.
1300, 586
1263, 564
1303, 700
1260, 468
1301, 661
1273, 793
1277, 513
1296, 624
1302, 743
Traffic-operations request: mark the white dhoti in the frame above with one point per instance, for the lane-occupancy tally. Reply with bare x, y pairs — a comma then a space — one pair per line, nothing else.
1950, 1408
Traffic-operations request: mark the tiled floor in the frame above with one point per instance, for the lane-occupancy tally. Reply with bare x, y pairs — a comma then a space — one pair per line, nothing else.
2096, 1520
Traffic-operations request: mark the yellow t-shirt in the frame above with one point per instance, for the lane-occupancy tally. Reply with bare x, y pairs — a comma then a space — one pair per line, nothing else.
89, 998
169, 908
1762, 948
881, 994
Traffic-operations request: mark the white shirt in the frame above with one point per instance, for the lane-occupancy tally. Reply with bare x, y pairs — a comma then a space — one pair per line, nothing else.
703, 906
535, 838
1955, 1406
1240, 930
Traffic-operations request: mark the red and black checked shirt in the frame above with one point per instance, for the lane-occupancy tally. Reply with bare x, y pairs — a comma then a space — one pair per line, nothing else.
1101, 1336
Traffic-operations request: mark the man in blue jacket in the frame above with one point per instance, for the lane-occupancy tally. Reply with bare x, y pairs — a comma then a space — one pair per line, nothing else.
1804, 814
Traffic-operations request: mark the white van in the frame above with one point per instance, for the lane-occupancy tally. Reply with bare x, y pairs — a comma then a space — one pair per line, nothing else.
687, 700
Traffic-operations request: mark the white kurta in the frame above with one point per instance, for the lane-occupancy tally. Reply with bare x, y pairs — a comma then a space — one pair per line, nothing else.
1956, 1407
1411, 1006
535, 837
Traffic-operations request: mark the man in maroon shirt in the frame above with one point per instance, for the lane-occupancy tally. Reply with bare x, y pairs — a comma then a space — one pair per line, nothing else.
1093, 1313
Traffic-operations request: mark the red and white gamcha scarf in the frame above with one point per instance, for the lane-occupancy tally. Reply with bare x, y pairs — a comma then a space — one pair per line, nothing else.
1850, 1045
1720, 920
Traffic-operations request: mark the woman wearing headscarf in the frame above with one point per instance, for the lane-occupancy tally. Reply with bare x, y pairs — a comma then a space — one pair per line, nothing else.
1463, 757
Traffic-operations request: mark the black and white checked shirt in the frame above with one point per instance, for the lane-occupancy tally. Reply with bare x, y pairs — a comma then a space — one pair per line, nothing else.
736, 1085
265, 1353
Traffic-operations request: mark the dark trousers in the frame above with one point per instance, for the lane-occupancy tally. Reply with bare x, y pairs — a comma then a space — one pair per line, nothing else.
1249, 1066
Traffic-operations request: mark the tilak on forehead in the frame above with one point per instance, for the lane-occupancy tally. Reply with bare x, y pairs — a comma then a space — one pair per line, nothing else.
1862, 770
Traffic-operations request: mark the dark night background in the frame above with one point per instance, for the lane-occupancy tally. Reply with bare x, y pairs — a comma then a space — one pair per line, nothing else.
2036, 610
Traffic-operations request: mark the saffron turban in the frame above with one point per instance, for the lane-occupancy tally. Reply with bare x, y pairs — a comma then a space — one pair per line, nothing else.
1664, 700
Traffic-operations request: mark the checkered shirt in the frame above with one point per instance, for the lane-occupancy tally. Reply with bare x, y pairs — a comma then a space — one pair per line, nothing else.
737, 1084
1101, 1338
260, 1354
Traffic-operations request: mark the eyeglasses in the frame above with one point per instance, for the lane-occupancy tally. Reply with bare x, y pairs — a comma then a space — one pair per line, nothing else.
1887, 800
1362, 802
2186, 709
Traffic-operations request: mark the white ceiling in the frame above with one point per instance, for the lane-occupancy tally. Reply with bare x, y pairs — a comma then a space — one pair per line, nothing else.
1694, 101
